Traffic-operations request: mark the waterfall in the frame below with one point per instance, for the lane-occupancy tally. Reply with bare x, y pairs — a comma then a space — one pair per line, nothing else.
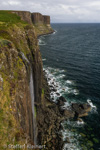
32, 96
33, 106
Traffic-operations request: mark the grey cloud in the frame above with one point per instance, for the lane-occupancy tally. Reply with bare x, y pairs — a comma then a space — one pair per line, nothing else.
59, 10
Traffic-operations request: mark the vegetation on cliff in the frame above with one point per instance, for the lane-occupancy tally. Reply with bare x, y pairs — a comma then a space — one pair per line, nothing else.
16, 37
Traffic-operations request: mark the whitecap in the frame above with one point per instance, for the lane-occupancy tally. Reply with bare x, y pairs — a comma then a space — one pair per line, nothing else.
93, 107
69, 82
77, 124
75, 91
60, 76
66, 105
72, 137
55, 32
41, 41
80, 122
44, 59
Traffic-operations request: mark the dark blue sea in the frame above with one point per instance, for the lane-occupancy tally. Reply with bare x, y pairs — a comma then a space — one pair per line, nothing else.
71, 58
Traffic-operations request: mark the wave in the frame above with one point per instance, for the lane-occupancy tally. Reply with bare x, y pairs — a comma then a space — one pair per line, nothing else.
71, 140
44, 59
41, 41
59, 86
71, 137
55, 32
57, 83
93, 107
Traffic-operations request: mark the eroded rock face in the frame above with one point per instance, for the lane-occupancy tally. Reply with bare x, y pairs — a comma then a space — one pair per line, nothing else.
15, 73
16, 88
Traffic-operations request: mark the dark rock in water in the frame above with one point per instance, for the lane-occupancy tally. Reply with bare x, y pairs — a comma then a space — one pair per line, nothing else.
61, 101
68, 113
51, 86
67, 140
81, 110
54, 90
58, 94
53, 83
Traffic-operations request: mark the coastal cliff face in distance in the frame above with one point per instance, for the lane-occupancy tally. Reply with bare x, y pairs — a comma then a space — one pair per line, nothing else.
41, 23
37, 18
46, 20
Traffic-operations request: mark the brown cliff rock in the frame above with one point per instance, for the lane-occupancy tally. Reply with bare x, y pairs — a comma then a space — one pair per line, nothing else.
37, 18
46, 19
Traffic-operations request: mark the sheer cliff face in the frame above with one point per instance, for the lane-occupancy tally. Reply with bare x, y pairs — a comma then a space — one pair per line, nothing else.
16, 123
17, 37
46, 20
38, 18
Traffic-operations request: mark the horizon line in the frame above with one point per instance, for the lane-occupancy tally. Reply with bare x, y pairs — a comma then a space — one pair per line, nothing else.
75, 22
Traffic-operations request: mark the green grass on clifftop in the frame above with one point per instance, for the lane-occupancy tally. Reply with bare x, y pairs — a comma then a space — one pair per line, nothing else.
8, 16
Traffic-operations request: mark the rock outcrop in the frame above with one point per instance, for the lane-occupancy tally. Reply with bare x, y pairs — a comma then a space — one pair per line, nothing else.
81, 110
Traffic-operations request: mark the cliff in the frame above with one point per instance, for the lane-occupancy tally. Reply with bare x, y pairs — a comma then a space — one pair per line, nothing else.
40, 22
21, 82
18, 39
27, 116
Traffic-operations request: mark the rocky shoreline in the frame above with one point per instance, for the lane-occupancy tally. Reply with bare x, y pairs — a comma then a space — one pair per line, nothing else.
53, 114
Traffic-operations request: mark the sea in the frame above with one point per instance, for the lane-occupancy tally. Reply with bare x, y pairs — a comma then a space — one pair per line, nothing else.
71, 60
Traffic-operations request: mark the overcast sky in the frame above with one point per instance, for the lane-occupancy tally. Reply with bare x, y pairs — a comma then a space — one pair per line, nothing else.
59, 10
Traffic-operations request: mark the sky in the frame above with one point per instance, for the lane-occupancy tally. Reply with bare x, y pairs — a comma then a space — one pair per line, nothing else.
60, 11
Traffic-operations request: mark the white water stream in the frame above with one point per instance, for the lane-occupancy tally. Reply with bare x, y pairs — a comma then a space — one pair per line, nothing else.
32, 97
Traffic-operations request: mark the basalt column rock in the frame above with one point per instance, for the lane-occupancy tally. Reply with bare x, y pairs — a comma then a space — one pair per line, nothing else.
37, 18
46, 20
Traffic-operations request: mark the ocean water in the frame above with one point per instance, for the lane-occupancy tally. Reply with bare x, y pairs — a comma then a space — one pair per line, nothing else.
71, 59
